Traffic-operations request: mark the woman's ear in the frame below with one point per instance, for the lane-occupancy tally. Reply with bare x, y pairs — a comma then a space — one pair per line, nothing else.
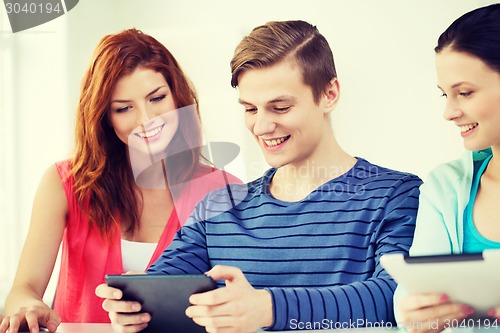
332, 94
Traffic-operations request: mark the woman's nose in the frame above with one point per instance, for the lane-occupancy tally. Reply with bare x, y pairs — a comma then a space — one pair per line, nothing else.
451, 110
143, 114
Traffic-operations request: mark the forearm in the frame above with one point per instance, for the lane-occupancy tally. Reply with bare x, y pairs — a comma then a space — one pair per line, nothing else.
360, 304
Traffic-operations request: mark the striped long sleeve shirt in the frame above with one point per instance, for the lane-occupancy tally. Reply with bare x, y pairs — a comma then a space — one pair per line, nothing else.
318, 257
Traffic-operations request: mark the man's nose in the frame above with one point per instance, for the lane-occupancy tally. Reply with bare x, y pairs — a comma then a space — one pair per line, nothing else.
264, 123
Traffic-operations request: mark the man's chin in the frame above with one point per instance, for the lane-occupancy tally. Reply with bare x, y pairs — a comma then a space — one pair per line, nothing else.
276, 164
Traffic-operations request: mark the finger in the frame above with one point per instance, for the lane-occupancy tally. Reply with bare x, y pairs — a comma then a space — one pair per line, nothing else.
105, 291
212, 297
32, 321
446, 320
4, 324
128, 329
436, 324
52, 321
216, 324
16, 320
421, 319
220, 272
111, 305
226, 309
418, 301
494, 312
129, 319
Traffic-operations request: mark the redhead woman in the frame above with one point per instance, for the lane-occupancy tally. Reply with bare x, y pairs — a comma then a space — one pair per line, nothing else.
116, 204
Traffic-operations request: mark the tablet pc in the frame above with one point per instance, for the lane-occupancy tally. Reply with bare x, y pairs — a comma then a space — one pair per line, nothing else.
165, 297
470, 279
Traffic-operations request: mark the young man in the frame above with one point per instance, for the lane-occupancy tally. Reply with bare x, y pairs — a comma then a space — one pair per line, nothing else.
301, 247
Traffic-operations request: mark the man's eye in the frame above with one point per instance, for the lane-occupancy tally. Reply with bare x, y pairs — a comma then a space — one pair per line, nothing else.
283, 109
250, 109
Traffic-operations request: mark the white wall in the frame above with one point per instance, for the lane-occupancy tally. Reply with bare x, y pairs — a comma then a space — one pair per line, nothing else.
390, 110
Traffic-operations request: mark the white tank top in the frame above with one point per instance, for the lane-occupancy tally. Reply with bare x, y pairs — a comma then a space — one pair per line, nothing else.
136, 255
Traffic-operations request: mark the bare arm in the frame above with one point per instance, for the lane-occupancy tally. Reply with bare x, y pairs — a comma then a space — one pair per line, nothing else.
24, 305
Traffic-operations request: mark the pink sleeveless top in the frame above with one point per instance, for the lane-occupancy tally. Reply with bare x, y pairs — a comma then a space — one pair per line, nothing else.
87, 258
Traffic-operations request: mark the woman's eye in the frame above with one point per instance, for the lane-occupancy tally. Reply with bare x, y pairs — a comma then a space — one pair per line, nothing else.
465, 93
157, 99
123, 109
444, 95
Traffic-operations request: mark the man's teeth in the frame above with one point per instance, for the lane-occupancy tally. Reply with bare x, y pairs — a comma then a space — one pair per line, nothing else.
466, 128
274, 142
150, 133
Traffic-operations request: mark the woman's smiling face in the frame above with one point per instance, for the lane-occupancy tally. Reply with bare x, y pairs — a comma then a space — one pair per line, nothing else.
472, 90
143, 112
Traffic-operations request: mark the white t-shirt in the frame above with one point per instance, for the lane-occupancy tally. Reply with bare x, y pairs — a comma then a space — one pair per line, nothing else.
136, 255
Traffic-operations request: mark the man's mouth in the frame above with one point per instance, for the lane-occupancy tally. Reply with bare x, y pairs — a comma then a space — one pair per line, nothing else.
275, 142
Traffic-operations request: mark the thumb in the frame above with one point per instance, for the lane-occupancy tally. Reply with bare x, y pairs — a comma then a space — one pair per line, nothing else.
228, 273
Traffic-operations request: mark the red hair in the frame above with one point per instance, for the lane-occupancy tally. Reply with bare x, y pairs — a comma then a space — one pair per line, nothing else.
103, 179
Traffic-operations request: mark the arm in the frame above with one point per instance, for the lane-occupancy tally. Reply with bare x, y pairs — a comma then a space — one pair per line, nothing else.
186, 255
360, 303
24, 305
436, 233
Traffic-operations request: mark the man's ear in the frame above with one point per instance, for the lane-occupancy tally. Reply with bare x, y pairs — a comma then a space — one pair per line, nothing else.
332, 95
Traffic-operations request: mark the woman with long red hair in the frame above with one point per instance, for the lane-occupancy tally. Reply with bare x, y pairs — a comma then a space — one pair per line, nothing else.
134, 178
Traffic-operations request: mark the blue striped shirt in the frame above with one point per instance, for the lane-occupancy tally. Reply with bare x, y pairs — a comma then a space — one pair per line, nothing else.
318, 257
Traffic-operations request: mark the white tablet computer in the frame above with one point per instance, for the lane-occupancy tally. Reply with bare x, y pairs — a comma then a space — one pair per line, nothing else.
165, 297
472, 279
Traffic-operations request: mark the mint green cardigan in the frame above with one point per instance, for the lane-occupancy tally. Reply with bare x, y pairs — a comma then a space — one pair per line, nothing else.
443, 198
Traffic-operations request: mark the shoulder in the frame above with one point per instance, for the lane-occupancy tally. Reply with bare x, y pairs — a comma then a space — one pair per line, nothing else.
63, 169
57, 173
460, 168
51, 188
227, 198
455, 172
382, 177
454, 176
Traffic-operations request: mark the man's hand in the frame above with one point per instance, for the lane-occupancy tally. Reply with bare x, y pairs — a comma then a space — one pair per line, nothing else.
238, 307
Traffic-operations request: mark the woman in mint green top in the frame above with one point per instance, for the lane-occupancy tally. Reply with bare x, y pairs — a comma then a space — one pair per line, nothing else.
474, 241
459, 202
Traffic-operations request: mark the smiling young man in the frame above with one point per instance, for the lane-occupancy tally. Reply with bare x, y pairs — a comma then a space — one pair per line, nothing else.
301, 249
